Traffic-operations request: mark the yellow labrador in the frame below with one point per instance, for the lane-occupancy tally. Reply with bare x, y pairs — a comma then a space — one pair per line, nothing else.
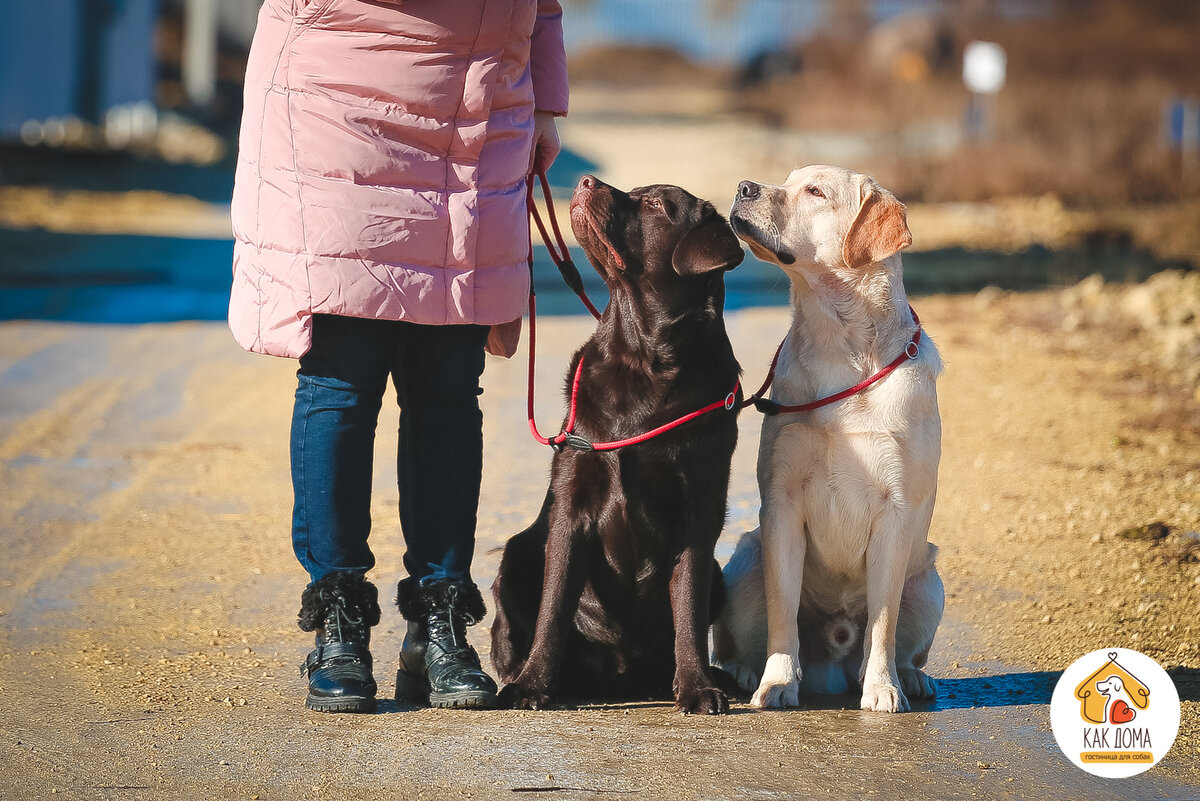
838, 584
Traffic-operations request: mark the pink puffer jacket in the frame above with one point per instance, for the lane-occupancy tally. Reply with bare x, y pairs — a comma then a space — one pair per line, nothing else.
382, 163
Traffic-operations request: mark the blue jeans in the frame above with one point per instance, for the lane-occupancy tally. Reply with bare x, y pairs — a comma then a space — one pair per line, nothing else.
342, 379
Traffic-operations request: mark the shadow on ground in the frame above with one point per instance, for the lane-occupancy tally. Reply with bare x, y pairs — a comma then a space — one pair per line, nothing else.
999, 690
121, 278
1187, 682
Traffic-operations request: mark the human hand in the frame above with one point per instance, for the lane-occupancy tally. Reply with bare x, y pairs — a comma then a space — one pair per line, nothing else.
545, 142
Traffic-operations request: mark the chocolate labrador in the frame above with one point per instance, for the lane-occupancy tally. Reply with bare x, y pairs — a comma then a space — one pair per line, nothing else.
610, 593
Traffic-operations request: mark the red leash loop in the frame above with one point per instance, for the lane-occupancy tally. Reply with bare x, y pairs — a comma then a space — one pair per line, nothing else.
562, 259
567, 438
770, 407
559, 441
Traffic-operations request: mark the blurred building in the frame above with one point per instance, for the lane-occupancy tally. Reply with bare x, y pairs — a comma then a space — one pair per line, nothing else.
74, 59
70, 66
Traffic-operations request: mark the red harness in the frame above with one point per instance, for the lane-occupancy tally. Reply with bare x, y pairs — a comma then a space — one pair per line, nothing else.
562, 259
770, 407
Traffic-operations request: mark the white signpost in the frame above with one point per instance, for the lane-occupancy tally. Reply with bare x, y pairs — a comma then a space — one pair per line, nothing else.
984, 67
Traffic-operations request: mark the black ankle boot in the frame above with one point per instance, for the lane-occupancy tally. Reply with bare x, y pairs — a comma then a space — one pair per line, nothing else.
341, 608
436, 663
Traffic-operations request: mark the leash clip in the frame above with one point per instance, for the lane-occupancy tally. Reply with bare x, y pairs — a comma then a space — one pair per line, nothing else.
911, 350
570, 440
571, 276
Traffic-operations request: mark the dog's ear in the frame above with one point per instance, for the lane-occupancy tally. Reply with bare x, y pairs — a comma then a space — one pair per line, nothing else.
880, 229
711, 245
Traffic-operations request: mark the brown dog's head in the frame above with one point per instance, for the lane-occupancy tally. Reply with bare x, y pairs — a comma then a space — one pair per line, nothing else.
821, 217
655, 233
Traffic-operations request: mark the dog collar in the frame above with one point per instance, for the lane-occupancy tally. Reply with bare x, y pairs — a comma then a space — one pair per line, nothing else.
569, 439
771, 408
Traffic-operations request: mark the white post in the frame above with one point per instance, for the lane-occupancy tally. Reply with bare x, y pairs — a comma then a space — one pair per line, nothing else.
200, 51
984, 66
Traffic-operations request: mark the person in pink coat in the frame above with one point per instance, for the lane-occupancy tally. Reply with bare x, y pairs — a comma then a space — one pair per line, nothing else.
381, 230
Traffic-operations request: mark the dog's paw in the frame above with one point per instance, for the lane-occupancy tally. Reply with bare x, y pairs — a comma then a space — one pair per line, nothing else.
746, 678
881, 697
916, 684
701, 701
780, 685
776, 696
517, 696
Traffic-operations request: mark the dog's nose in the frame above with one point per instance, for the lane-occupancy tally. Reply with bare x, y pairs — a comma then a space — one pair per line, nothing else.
748, 190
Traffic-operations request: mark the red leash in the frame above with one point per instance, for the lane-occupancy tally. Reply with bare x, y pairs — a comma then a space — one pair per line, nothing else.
567, 438
561, 257
770, 407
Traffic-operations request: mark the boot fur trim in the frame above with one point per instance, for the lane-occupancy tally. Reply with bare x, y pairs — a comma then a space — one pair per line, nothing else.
355, 593
417, 600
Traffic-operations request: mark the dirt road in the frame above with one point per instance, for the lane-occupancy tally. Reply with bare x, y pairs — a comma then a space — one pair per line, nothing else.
149, 640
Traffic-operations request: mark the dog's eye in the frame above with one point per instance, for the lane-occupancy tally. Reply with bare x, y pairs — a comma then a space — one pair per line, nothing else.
815, 191
652, 202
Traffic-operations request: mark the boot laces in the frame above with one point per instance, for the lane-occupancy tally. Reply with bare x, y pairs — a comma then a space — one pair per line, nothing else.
340, 614
452, 598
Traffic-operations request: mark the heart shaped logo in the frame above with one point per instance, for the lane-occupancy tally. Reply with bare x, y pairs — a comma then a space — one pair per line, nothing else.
1120, 713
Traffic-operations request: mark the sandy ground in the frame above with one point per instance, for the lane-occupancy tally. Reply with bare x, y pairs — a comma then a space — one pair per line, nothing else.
148, 632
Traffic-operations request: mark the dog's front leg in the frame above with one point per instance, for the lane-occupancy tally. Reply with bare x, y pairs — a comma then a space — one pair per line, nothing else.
691, 585
784, 547
887, 563
566, 573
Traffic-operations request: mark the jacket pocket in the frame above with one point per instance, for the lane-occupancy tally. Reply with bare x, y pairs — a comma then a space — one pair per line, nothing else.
370, 200
307, 12
379, 224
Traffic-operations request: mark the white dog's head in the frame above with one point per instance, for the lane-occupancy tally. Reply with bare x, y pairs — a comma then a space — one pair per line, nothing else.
1111, 686
822, 217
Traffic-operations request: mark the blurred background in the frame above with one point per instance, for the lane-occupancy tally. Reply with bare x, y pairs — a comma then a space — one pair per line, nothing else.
1036, 143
